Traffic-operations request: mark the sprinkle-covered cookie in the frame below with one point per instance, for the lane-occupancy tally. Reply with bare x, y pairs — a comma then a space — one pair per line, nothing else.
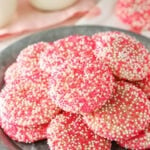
25, 134
26, 102
135, 13
144, 85
82, 90
127, 57
27, 64
139, 142
18, 72
123, 116
68, 131
12, 73
67, 48
29, 56
79, 82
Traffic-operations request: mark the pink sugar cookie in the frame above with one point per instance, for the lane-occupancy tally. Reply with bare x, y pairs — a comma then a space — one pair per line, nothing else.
11, 73
27, 64
139, 142
68, 48
29, 56
145, 85
79, 82
127, 57
82, 89
26, 102
123, 116
25, 134
18, 72
68, 131
135, 13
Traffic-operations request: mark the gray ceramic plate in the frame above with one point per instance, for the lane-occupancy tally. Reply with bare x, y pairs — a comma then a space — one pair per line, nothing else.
8, 56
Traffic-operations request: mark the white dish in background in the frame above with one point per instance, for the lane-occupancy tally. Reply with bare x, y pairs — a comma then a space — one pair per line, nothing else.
7, 11
52, 5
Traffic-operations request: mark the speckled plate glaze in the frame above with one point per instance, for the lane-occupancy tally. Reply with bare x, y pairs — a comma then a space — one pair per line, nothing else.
9, 54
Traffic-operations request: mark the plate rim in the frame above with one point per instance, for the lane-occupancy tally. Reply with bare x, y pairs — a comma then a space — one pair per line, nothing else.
76, 27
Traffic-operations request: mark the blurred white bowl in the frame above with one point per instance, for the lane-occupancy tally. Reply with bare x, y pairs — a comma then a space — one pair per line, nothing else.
52, 5
7, 10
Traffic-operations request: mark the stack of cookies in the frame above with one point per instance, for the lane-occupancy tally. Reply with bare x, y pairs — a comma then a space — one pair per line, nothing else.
79, 92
